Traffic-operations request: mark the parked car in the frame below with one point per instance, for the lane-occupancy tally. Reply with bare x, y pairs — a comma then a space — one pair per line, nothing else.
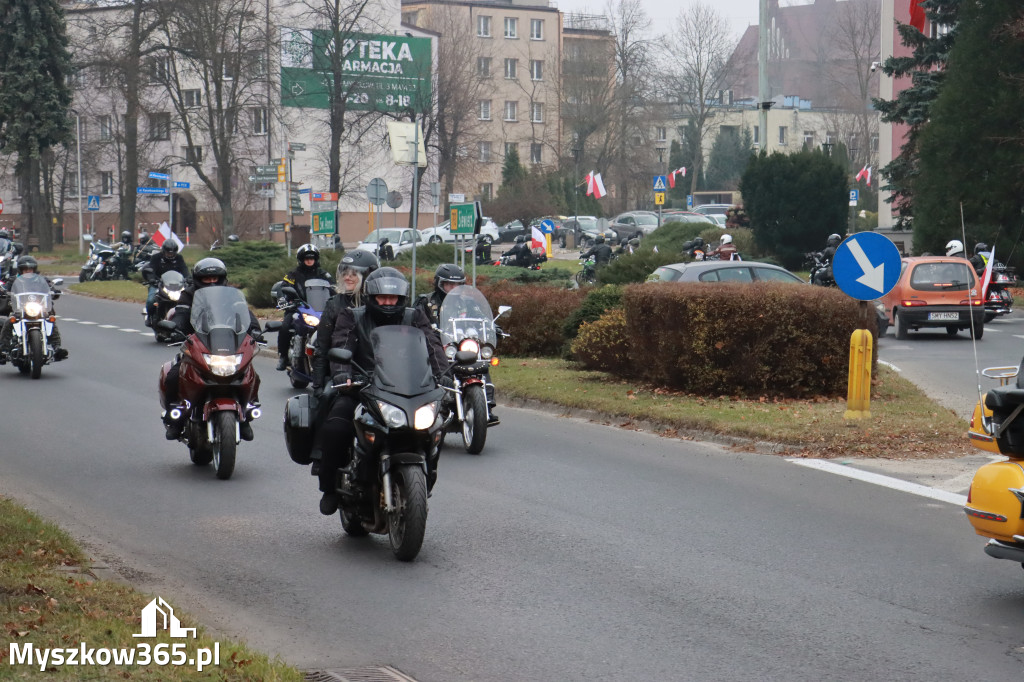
936, 291
708, 209
510, 230
723, 271
401, 239
588, 228
626, 224
687, 217
443, 233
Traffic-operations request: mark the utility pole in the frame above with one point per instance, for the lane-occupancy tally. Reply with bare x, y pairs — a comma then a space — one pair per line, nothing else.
762, 74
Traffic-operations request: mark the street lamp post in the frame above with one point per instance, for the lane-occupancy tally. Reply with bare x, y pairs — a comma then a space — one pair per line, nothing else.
78, 145
576, 188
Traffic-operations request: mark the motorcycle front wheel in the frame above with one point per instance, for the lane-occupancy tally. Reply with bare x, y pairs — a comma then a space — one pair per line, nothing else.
300, 367
35, 349
474, 424
84, 275
224, 444
408, 523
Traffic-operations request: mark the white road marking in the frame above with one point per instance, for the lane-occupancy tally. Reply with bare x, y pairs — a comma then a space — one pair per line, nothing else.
108, 326
70, 319
885, 481
133, 331
84, 322
1018, 336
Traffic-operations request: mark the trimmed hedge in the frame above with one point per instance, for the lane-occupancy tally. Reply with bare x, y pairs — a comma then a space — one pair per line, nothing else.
598, 301
537, 317
603, 343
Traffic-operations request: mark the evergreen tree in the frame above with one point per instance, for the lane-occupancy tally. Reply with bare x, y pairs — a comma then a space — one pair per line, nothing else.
912, 105
35, 64
970, 153
512, 171
794, 201
729, 157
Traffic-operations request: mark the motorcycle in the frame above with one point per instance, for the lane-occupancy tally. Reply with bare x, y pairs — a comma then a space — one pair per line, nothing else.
466, 325
217, 381
143, 255
696, 249
588, 273
304, 324
399, 433
32, 322
821, 269
999, 300
995, 500
106, 261
168, 292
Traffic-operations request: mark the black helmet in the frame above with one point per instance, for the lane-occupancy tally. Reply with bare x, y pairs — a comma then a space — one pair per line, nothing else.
448, 272
834, 240
126, 237
361, 261
624, 241
170, 249
980, 246
27, 263
698, 242
304, 252
4, 234
599, 239
209, 267
386, 281
520, 239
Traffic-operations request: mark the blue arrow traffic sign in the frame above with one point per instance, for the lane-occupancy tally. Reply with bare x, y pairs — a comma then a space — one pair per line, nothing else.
866, 266
547, 226
659, 183
93, 203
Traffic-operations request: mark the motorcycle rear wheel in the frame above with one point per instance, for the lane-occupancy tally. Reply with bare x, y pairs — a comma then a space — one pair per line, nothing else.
408, 523
200, 456
474, 424
36, 355
224, 445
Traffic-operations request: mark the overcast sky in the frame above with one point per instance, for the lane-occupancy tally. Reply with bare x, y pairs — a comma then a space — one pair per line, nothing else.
739, 13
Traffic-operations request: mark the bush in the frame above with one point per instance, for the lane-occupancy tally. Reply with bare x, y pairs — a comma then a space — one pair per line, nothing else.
597, 302
537, 317
603, 343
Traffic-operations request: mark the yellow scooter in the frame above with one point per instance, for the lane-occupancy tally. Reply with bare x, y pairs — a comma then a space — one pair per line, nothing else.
995, 501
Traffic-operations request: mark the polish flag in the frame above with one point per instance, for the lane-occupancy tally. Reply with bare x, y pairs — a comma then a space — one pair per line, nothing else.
868, 178
163, 234
537, 240
672, 179
987, 279
917, 17
595, 186
589, 180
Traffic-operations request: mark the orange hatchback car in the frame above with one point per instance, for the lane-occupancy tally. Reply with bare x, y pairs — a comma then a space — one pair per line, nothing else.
936, 291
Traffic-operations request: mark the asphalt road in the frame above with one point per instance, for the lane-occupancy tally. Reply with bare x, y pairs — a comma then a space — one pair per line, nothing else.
567, 551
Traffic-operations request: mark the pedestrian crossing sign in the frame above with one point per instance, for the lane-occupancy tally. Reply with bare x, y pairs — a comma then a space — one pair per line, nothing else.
659, 183
94, 202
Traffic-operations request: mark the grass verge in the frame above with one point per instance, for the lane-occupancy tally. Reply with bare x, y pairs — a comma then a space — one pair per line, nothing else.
904, 422
46, 602
117, 290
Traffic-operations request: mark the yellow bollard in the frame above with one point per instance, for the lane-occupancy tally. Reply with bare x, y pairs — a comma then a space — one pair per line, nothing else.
858, 392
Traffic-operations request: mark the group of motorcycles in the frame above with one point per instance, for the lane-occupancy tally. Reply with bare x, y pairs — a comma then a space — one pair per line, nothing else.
114, 261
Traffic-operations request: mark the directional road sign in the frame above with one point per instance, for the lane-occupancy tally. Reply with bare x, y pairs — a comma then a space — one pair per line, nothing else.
866, 265
93, 204
547, 226
659, 183
182, 185
151, 190
377, 191
159, 176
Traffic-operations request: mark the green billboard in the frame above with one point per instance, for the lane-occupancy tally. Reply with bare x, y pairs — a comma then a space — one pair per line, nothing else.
378, 72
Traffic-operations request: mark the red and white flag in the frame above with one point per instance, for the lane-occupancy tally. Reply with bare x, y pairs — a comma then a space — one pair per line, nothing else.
987, 279
917, 16
672, 179
163, 234
595, 186
537, 240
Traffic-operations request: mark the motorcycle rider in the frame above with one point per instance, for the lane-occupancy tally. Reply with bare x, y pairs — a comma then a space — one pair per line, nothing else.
124, 253
208, 272
387, 293
353, 270
27, 266
833, 242
601, 252
165, 260
308, 258
980, 258
955, 249
521, 254
726, 249
624, 247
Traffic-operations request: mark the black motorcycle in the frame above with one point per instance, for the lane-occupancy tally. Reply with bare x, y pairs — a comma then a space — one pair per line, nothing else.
999, 300
106, 262
169, 289
305, 319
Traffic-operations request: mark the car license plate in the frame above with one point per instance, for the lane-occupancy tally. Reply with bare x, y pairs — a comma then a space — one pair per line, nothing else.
943, 316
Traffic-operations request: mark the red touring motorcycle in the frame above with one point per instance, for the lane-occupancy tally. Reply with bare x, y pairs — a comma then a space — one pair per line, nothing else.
217, 384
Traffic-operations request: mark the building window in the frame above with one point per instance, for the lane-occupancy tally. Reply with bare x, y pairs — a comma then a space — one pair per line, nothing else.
535, 152
483, 67
757, 135
483, 27
536, 29
76, 78
260, 121
159, 69
486, 191
537, 112
874, 142
193, 154
661, 133
107, 183
72, 179
485, 110
160, 126
511, 27
192, 98
105, 76
854, 145
783, 134
536, 69
106, 126
484, 152
511, 68
511, 147
809, 139
229, 68
830, 138
511, 111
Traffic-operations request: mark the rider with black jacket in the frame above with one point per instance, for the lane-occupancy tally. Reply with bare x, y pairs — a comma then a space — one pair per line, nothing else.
601, 252
165, 260
308, 258
353, 270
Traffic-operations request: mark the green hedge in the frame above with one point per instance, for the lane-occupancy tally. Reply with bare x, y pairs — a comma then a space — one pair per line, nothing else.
537, 318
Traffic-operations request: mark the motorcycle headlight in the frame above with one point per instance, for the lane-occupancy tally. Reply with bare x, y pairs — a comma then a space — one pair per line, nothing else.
449, 351
486, 352
173, 295
470, 345
311, 320
223, 365
394, 417
33, 309
424, 417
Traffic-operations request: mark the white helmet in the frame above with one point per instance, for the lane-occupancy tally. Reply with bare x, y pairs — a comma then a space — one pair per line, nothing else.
954, 247
727, 239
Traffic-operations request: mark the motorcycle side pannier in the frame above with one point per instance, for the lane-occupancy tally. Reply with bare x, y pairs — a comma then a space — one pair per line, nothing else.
298, 427
993, 507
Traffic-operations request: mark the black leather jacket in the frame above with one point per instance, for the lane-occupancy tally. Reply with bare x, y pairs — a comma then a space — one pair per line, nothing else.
158, 265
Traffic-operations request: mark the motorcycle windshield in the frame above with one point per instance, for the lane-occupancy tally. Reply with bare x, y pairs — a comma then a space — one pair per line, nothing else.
173, 280
318, 292
401, 363
221, 319
28, 289
465, 313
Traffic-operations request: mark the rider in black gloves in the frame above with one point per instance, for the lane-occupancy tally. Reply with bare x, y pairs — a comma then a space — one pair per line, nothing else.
308, 258
387, 293
163, 261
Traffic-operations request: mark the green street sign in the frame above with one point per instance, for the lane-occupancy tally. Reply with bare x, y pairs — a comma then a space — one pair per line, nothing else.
463, 218
323, 222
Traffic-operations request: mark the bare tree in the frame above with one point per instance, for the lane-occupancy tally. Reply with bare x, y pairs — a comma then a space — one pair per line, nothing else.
698, 68
588, 90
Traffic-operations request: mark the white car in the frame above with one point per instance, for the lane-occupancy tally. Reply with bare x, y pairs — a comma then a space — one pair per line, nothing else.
443, 233
400, 239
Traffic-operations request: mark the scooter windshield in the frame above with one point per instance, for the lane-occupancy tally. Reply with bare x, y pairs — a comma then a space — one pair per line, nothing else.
318, 292
220, 317
465, 313
400, 358
30, 291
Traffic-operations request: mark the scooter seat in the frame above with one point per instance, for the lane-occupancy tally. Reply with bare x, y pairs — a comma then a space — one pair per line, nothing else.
1004, 398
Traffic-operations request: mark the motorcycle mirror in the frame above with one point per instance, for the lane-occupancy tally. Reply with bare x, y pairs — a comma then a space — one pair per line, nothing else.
339, 354
57, 282
289, 291
86, 237
502, 309
166, 325
273, 325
